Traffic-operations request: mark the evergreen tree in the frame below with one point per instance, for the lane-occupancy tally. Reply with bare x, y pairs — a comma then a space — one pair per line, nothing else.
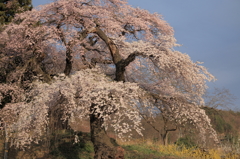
8, 8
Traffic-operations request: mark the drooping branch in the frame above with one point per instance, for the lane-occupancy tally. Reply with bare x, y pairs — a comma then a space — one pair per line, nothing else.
149, 122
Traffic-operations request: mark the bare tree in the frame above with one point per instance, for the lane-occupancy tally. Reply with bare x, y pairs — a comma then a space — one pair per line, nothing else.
220, 98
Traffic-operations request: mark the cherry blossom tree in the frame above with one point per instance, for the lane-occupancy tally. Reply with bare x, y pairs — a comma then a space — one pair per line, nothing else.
115, 62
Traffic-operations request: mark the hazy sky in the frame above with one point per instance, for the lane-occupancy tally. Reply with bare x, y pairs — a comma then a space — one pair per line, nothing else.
209, 31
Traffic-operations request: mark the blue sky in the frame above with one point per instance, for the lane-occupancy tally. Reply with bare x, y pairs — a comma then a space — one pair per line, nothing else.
209, 31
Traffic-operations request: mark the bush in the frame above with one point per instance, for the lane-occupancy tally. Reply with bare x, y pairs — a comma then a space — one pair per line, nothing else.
186, 142
141, 152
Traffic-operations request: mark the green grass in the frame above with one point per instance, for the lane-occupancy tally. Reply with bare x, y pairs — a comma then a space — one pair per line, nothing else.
67, 150
63, 148
141, 152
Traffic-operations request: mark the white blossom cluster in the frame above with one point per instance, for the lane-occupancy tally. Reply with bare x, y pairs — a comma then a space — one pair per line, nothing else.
177, 80
114, 102
183, 113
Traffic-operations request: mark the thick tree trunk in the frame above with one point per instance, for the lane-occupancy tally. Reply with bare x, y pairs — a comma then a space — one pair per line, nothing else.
103, 147
68, 66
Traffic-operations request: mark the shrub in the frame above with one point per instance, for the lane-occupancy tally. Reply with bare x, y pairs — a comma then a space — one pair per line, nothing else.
186, 142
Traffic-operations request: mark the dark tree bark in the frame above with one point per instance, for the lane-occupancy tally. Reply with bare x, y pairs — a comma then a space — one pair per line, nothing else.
166, 131
68, 66
69, 54
103, 147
